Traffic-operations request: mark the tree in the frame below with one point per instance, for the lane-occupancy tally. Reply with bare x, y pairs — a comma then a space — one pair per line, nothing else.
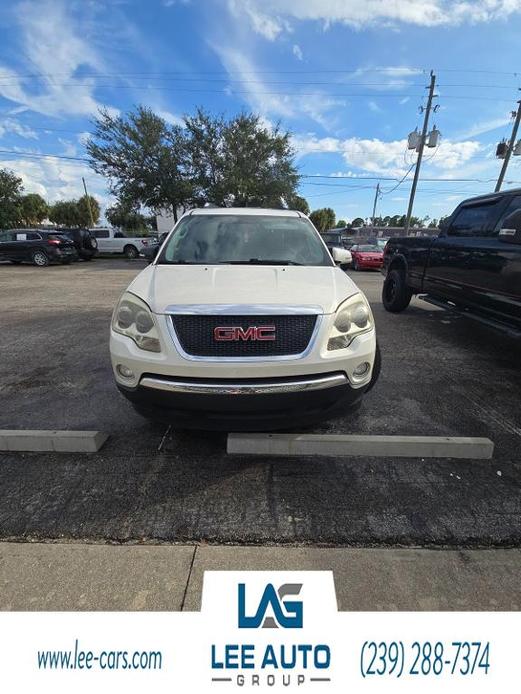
358, 222
125, 217
296, 202
84, 216
239, 162
10, 199
65, 213
143, 158
33, 209
323, 218
341, 224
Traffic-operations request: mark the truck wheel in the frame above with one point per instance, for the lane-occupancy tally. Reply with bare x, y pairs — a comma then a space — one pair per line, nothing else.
396, 295
40, 259
131, 252
377, 367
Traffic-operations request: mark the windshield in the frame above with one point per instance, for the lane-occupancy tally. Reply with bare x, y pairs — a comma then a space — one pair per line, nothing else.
245, 239
368, 249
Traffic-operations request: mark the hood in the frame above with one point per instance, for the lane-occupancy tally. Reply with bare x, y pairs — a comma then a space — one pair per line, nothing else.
166, 285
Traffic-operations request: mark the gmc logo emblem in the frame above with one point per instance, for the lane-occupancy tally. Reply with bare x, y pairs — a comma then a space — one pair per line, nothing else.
226, 333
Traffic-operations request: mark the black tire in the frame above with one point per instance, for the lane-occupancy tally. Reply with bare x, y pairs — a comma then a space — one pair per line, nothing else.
86, 257
131, 252
40, 259
377, 367
396, 295
354, 265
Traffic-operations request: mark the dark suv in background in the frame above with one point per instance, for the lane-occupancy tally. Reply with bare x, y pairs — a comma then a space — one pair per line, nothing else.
36, 246
84, 241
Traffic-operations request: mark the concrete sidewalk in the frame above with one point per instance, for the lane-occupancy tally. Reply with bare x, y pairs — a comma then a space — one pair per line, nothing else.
105, 577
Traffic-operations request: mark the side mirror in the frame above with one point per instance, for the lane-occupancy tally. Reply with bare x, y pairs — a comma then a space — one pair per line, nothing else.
510, 231
341, 256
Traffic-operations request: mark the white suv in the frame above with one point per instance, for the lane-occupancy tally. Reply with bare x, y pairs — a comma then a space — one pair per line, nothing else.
243, 322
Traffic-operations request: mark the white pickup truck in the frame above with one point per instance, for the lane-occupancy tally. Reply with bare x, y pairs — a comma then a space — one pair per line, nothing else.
114, 241
243, 322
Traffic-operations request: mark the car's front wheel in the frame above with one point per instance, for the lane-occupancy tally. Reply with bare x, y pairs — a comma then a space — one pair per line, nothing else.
396, 295
131, 252
40, 258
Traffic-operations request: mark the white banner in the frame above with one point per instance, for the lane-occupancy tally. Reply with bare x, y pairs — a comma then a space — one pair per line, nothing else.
259, 631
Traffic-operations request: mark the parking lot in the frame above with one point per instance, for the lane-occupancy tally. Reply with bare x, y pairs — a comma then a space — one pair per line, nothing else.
441, 375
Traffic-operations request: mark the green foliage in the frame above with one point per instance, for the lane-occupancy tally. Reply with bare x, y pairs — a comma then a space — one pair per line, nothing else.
296, 202
74, 213
358, 222
84, 216
323, 218
33, 209
129, 219
341, 224
65, 213
10, 199
235, 162
143, 158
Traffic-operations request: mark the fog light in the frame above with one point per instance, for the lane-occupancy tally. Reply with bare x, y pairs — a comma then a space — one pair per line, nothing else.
124, 371
362, 369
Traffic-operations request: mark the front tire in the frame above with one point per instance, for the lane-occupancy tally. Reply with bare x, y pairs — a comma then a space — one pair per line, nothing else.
396, 295
40, 259
131, 252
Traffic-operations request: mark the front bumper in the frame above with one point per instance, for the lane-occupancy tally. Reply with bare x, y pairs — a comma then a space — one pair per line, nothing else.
242, 404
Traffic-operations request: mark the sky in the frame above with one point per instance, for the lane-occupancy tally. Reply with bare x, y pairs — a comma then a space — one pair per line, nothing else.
346, 78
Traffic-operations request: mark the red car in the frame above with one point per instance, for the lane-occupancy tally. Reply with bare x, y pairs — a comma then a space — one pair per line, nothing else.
367, 257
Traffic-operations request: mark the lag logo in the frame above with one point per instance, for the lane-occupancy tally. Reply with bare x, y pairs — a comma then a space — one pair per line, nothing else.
286, 613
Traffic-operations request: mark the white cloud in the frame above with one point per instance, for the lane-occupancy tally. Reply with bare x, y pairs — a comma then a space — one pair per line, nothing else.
9, 125
169, 117
56, 179
386, 157
56, 56
270, 17
265, 101
267, 26
373, 106
297, 52
485, 127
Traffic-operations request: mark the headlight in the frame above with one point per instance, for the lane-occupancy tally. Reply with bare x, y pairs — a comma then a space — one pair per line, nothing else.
134, 319
353, 317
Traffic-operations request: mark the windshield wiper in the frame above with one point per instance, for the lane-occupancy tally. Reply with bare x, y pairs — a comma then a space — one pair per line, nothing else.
259, 261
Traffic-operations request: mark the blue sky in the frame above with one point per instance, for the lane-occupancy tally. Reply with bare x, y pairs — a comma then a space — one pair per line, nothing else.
346, 77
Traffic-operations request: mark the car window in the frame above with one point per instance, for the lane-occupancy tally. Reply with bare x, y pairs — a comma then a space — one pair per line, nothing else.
33, 236
513, 206
369, 249
6, 236
119, 235
477, 219
102, 233
243, 239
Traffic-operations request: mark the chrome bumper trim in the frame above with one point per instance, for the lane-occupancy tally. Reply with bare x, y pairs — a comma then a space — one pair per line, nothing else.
260, 388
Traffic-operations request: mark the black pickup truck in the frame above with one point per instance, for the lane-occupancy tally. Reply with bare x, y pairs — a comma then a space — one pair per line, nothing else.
474, 265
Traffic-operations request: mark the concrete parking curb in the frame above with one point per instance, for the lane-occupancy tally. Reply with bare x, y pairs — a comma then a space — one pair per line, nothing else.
353, 445
42, 440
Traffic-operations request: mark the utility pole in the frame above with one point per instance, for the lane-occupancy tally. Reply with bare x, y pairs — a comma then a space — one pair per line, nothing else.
420, 152
377, 193
88, 203
510, 149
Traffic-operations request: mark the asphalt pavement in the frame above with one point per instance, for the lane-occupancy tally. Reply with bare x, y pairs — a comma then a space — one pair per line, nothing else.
441, 375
